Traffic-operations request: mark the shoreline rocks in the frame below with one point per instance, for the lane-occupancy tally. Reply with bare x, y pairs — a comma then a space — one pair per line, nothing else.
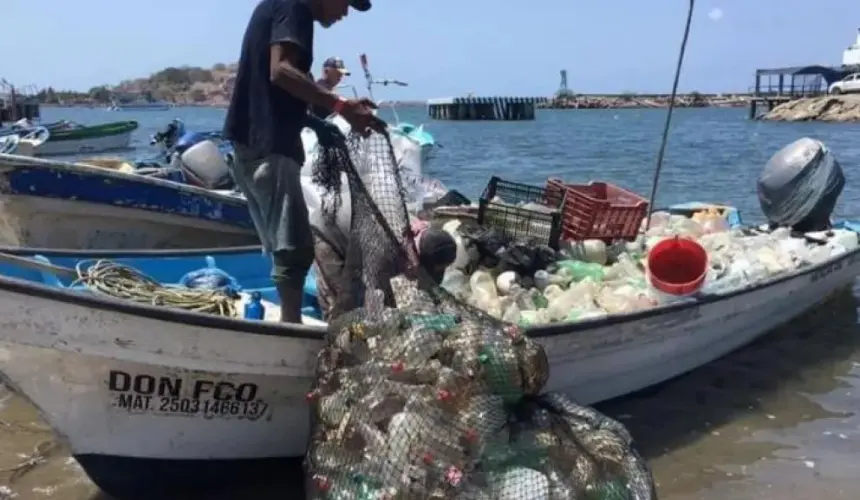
633, 101
829, 108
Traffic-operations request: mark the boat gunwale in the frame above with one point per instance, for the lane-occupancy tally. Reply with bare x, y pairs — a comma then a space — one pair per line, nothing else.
16, 162
189, 318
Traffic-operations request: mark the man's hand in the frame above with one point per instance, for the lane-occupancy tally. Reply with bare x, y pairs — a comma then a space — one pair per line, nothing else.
359, 114
327, 133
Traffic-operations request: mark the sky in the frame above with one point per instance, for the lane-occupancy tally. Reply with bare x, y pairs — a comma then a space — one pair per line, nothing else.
442, 48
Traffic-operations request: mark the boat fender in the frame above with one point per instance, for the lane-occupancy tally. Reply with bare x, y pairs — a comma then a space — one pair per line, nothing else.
211, 279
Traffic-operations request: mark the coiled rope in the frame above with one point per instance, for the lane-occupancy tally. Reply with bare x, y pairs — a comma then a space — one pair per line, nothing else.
123, 282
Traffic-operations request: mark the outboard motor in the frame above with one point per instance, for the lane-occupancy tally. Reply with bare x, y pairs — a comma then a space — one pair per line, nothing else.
204, 165
800, 185
170, 135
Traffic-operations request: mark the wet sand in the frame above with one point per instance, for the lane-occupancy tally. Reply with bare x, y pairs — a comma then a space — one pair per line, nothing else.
775, 420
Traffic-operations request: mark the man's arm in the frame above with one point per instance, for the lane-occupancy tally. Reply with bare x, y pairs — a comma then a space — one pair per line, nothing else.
285, 48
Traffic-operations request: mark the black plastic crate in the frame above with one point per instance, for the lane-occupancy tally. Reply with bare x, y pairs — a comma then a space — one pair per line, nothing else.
515, 192
519, 223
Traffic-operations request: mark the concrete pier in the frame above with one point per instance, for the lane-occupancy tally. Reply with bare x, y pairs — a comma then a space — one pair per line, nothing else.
779, 85
484, 108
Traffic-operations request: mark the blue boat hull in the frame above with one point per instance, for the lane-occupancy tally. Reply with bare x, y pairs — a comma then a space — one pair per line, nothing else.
63, 205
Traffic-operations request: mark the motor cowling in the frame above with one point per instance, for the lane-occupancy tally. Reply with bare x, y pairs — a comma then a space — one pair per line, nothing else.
800, 185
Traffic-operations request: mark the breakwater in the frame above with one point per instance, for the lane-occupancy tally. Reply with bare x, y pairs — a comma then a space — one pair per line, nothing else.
634, 101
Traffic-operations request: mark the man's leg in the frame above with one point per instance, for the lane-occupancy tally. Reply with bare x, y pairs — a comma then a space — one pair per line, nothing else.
289, 270
273, 190
244, 169
293, 243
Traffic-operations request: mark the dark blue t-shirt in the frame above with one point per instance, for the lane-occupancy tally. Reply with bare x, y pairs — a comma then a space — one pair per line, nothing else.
263, 116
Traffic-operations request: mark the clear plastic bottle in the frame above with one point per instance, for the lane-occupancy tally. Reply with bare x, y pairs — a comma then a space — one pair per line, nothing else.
416, 346
455, 282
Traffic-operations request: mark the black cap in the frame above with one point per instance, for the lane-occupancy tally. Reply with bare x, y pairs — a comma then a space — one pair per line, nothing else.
360, 5
436, 250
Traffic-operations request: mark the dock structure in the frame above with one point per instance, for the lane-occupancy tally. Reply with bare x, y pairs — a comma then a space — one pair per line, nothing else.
484, 108
15, 105
790, 84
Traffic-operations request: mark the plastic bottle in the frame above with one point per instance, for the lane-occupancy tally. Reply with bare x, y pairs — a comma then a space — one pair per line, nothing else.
580, 270
592, 250
254, 308
483, 287
455, 282
712, 221
505, 281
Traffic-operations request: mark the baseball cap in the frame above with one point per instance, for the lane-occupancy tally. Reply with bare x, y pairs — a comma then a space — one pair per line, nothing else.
336, 63
360, 5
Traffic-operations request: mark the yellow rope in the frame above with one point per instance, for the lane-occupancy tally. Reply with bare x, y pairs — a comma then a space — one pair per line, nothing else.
124, 282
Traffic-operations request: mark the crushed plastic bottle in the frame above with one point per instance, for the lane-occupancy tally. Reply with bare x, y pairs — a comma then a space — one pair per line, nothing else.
579, 270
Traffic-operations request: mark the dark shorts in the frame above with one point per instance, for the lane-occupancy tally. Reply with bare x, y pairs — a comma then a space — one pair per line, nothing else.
271, 184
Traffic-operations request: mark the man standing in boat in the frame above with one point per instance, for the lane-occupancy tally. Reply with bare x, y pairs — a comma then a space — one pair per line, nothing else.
333, 72
268, 110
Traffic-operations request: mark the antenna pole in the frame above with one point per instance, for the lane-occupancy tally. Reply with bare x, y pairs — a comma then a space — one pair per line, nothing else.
367, 77
665, 139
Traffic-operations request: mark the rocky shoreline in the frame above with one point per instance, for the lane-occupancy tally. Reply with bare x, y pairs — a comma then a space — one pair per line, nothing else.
830, 108
634, 101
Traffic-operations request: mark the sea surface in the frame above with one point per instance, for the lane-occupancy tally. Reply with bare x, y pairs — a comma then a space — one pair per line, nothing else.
776, 420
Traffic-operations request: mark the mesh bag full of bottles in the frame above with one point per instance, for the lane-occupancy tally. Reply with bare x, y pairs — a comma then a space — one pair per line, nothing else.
420, 396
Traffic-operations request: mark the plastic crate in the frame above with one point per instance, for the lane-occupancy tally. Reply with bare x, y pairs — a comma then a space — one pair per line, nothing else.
519, 223
515, 192
598, 210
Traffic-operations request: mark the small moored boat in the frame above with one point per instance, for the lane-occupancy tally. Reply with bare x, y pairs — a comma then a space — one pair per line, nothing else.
72, 138
148, 396
53, 204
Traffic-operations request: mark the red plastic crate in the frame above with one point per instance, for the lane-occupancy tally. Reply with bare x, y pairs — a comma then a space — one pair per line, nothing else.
598, 210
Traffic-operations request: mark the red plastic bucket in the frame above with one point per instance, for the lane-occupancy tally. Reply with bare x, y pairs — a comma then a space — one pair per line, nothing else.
677, 266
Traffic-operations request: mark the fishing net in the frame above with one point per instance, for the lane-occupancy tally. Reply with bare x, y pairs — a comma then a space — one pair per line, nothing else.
421, 396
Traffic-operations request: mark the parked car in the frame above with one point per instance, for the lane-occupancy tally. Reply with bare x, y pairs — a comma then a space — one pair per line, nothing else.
850, 83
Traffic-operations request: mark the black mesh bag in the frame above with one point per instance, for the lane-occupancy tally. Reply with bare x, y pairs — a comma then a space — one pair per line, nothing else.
421, 396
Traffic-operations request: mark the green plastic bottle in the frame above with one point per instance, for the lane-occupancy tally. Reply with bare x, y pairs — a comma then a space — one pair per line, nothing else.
580, 270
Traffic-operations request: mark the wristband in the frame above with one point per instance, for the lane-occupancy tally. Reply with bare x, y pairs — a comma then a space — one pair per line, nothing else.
338, 105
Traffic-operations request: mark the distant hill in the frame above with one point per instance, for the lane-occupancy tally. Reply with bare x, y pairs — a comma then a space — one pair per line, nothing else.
185, 85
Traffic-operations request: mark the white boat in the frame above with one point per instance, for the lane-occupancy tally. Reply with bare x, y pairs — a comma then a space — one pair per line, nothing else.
140, 105
53, 204
152, 399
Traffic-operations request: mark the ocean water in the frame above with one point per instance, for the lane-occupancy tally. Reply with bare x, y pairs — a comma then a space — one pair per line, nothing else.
713, 154
776, 420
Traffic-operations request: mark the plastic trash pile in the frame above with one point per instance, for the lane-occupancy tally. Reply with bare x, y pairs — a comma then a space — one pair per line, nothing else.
420, 396
591, 279
428, 400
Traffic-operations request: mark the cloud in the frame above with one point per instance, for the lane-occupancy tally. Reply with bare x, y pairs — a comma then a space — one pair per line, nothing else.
715, 14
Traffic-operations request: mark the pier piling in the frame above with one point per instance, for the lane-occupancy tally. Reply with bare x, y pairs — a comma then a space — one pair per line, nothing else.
484, 108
